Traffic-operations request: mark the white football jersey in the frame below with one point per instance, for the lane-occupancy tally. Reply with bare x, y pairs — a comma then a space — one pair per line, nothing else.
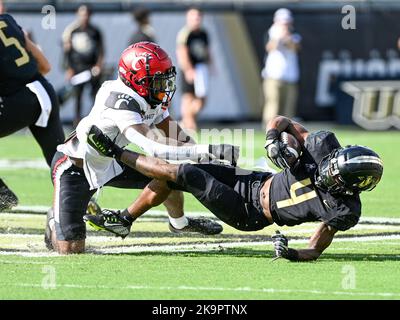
116, 107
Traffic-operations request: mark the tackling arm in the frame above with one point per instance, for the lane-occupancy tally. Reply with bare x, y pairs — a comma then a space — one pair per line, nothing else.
161, 147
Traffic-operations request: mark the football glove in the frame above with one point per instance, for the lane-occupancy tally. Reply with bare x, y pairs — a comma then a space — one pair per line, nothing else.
224, 152
280, 243
276, 150
103, 144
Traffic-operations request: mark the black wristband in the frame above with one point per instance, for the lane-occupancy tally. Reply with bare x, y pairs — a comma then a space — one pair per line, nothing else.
293, 254
273, 134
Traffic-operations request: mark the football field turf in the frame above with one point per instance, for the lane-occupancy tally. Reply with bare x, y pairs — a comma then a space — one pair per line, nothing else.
152, 263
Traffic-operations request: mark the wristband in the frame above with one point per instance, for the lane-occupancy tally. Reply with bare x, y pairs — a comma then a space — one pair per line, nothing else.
292, 255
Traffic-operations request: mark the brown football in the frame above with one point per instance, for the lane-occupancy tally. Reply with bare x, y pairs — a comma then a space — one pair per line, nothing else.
293, 146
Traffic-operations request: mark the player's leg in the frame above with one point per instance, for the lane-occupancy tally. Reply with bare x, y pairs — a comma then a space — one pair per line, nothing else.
154, 193
221, 199
291, 92
187, 112
8, 199
272, 91
17, 111
52, 135
71, 196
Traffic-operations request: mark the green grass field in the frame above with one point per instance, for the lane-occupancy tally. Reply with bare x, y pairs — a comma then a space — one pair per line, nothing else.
154, 264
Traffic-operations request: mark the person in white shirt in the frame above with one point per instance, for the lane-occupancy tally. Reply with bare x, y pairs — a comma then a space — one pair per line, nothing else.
281, 72
125, 109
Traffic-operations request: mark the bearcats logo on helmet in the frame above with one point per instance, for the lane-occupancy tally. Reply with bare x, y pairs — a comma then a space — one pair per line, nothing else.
135, 61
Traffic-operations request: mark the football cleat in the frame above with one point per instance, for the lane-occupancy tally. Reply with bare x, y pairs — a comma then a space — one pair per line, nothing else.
110, 221
8, 199
199, 225
48, 230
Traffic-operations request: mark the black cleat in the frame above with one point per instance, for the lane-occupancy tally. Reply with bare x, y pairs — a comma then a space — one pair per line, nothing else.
48, 230
110, 221
8, 199
199, 225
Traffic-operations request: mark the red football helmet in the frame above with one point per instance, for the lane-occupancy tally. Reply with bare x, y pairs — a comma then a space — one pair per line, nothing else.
147, 69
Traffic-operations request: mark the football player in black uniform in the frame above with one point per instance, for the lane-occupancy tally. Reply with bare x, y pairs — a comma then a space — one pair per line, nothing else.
26, 98
323, 185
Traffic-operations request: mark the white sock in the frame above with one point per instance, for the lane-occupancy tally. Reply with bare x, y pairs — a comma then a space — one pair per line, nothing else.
179, 223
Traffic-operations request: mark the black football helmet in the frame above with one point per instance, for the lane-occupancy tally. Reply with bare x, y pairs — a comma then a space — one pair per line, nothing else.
349, 170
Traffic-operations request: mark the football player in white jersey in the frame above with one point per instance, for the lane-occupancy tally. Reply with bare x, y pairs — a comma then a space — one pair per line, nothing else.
125, 109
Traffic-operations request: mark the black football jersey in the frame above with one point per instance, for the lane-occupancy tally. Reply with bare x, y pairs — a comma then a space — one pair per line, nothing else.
17, 66
294, 198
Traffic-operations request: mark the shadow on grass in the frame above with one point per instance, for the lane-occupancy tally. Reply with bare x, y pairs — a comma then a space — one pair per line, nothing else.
269, 255
361, 257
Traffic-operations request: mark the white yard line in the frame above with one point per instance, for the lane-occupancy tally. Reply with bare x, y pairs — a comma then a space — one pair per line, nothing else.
212, 289
16, 164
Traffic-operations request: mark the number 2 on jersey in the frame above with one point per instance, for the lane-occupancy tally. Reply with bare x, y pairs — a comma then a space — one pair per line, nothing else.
11, 41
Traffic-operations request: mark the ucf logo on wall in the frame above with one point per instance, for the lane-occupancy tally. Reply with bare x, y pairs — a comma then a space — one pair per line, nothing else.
376, 104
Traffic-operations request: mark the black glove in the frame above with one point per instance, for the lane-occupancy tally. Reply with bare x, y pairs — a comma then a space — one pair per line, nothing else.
103, 144
276, 149
280, 245
224, 152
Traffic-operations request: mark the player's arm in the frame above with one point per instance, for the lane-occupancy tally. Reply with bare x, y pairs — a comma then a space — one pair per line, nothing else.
172, 129
281, 123
182, 54
100, 59
170, 149
43, 64
319, 241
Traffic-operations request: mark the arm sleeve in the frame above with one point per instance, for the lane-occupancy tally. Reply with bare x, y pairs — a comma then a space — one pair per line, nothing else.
163, 151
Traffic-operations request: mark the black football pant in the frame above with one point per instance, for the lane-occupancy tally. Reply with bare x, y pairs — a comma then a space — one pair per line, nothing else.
232, 194
72, 194
22, 109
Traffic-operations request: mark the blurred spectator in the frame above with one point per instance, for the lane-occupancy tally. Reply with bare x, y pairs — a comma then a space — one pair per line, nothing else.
281, 72
2, 7
83, 49
193, 58
144, 32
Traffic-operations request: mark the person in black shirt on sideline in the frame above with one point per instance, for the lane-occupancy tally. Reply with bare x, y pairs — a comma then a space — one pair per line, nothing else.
26, 98
323, 184
194, 58
84, 51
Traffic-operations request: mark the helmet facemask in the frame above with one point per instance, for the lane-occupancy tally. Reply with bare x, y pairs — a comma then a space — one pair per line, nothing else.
161, 87
328, 177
